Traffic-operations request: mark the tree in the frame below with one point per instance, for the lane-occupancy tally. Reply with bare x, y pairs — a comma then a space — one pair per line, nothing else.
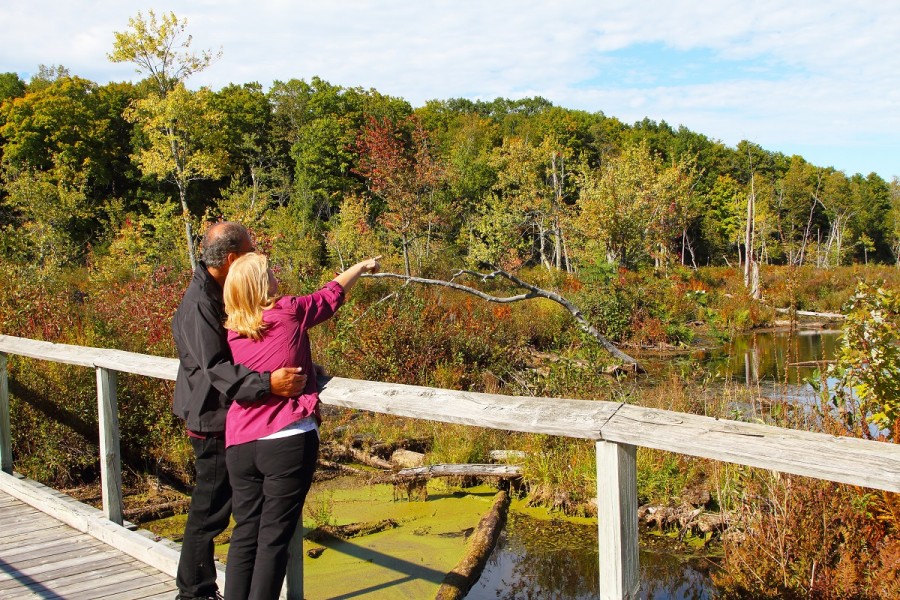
871, 198
835, 197
894, 222
179, 150
317, 124
796, 208
406, 176
868, 364
534, 182
160, 50
11, 86
350, 237
469, 172
46, 76
67, 139
183, 144
722, 219
636, 207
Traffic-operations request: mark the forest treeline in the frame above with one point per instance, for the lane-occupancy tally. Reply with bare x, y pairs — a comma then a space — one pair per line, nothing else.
327, 173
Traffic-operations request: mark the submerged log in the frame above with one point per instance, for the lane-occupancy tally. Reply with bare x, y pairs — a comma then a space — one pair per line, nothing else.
157, 511
685, 518
345, 532
460, 580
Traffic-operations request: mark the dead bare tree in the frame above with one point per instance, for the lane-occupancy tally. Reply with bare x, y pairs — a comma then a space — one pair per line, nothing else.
530, 292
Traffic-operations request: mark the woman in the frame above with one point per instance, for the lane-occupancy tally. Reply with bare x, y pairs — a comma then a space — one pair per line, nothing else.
272, 445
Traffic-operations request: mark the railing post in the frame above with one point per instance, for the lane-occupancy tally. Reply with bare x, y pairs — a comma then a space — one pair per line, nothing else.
617, 521
110, 460
293, 582
6, 463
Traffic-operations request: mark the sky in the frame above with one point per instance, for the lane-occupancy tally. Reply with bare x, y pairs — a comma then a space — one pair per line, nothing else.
818, 78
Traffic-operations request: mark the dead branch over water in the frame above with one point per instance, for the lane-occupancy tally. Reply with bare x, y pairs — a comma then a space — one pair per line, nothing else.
531, 291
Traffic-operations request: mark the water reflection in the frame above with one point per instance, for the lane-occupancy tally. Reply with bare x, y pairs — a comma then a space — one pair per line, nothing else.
775, 359
557, 560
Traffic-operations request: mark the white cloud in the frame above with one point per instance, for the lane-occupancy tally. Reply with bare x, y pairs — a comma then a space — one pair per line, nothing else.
816, 73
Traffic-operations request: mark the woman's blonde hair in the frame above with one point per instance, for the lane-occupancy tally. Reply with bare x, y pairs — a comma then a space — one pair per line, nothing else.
247, 295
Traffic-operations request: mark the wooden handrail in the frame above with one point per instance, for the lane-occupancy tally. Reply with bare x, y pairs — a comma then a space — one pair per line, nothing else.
617, 428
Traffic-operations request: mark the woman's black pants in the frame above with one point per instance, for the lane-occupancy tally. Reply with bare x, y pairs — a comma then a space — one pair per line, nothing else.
269, 481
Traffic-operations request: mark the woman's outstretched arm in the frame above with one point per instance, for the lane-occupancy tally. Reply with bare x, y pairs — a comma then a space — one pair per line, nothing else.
349, 277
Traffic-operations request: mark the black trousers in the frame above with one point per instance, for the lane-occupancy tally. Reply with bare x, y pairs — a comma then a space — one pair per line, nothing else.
208, 517
270, 479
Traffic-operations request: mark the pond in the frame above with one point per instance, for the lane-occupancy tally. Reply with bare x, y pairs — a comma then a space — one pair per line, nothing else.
773, 358
558, 560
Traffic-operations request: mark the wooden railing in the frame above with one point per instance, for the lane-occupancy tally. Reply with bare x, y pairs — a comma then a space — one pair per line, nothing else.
616, 428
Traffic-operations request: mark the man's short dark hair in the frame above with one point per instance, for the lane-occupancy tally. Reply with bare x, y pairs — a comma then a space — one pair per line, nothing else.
220, 239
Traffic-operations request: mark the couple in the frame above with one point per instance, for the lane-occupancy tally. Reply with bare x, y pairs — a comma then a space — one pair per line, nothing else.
238, 341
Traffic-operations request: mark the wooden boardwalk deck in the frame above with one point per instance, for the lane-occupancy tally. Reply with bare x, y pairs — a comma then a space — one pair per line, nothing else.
43, 558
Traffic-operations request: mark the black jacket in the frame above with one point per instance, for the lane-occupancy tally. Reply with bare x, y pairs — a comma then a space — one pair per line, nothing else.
208, 380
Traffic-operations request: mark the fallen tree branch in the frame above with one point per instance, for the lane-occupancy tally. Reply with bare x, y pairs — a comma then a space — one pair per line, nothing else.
460, 580
531, 292
364, 457
809, 313
462, 470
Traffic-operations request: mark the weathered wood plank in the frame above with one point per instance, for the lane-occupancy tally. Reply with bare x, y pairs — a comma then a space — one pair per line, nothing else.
41, 548
617, 523
61, 562
92, 521
554, 416
52, 577
45, 530
119, 360
93, 575
87, 558
786, 450
109, 586
6, 462
154, 592
110, 460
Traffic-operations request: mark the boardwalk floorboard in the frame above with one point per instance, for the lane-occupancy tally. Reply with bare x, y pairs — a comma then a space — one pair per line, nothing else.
40, 558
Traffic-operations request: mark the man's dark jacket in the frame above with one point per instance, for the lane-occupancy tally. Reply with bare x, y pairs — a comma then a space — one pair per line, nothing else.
207, 379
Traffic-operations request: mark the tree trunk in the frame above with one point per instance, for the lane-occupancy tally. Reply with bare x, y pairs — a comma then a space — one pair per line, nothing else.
189, 234
748, 241
405, 244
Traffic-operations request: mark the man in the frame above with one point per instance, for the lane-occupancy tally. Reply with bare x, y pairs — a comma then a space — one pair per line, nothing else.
207, 382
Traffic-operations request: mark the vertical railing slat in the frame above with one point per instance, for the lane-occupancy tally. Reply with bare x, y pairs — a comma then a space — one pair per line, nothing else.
6, 463
110, 460
293, 583
617, 522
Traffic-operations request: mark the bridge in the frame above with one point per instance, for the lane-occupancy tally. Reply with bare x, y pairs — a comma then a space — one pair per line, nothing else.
616, 428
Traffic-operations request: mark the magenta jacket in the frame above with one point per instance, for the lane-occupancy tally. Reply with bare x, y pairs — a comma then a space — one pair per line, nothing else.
285, 343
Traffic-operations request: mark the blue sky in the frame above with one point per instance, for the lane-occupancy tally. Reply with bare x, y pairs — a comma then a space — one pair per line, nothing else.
820, 78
